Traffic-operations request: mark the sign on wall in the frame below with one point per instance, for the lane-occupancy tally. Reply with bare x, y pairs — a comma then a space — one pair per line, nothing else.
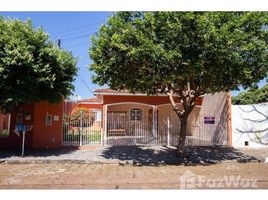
209, 120
56, 118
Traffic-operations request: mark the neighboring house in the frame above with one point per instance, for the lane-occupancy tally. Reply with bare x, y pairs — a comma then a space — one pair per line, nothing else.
47, 126
123, 118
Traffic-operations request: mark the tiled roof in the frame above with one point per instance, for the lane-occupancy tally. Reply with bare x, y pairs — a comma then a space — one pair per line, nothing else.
92, 100
108, 90
118, 92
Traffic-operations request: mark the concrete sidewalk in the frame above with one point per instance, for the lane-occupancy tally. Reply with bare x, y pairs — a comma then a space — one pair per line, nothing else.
154, 155
259, 153
65, 155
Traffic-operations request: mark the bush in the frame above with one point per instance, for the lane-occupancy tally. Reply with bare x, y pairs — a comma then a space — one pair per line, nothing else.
4, 133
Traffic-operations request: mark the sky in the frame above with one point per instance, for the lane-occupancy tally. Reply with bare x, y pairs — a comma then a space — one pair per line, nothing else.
74, 29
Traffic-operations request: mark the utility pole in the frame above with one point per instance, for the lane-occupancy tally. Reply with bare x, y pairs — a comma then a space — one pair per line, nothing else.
59, 42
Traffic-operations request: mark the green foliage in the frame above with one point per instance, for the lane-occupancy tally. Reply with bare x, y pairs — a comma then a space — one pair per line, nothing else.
183, 54
252, 96
4, 133
32, 68
83, 114
207, 52
86, 135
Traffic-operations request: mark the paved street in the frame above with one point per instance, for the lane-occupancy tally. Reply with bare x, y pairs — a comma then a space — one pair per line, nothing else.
113, 176
135, 167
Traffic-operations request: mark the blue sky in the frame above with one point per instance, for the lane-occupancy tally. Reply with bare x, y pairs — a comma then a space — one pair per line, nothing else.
75, 29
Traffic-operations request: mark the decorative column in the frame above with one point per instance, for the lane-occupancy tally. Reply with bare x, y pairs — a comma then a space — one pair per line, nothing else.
102, 125
104, 122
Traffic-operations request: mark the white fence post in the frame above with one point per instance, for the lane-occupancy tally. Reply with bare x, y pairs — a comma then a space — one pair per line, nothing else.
154, 122
23, 143
105, 107
168, 134
102, 127
81, 127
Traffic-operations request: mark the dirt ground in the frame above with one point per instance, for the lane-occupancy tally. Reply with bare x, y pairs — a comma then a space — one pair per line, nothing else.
113, 176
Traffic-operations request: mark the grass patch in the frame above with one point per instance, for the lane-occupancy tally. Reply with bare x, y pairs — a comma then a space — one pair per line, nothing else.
93, 136
4, 133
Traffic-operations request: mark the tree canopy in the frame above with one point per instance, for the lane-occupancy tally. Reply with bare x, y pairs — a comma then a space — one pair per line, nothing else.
32, 67
213, 51
185, 54
252, 96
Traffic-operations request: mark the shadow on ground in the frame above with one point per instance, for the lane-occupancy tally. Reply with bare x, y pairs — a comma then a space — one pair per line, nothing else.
136, 155
4, 154
168, 155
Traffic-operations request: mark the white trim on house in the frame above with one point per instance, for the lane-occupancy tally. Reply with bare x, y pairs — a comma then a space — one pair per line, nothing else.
120, 103
167, 104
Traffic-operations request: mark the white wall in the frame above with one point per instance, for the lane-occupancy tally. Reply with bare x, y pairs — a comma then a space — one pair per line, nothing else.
250, 123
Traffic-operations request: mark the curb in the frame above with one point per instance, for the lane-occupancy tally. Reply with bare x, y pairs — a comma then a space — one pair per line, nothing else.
2, 160
120, 163
63, 161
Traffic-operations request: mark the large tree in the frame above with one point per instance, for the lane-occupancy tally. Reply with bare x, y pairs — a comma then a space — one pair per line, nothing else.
32, 67
184, 54
252, 96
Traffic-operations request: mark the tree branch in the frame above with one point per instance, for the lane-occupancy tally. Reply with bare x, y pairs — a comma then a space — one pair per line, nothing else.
173, 103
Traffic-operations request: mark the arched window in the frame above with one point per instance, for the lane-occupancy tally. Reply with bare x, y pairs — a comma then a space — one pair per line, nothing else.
135, 114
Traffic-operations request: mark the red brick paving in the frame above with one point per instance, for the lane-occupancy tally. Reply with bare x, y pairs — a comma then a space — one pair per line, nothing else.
112, 176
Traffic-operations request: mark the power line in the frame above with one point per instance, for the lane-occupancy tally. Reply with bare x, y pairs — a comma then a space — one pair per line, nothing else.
78, 36
85, 84
79, 32
79, 27
75, 45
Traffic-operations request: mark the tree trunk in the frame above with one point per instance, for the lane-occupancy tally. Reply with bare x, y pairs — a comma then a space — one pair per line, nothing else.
188, 103
182, 137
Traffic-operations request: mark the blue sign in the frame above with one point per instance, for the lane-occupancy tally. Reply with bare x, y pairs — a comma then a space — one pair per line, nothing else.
21, 127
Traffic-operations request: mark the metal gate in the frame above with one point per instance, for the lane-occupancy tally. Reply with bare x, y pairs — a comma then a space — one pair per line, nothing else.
202, 130
123, 131
80, 126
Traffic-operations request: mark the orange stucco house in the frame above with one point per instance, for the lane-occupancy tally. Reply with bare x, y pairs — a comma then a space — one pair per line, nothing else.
118, 118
